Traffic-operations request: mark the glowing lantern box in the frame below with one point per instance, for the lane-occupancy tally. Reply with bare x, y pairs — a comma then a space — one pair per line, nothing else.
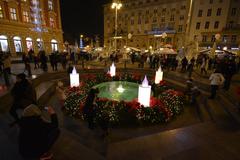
112, 70
159, 76
74, 78
144, 93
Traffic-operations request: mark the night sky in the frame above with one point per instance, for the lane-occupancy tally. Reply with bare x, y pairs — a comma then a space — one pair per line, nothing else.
82, 17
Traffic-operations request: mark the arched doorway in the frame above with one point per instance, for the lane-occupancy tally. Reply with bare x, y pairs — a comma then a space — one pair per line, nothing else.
54, 45
29, 43
17, 44
4, 43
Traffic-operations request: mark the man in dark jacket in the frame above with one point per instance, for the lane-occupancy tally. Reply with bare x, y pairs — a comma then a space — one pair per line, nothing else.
36, 136
23, 95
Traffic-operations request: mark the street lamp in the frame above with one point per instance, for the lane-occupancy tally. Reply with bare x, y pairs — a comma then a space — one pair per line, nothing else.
116, 5
217, 37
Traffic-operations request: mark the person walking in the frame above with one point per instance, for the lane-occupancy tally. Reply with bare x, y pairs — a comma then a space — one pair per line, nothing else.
43, 59
203, 66
36, 136
23, 95
184, 64
216, 79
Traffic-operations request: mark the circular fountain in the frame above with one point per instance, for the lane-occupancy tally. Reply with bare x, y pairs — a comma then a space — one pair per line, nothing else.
118, 90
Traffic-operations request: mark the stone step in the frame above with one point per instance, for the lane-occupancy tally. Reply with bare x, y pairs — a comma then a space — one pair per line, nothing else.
204, 140
68, 147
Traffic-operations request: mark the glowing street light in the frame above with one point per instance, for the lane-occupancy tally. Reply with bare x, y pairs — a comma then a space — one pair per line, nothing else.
144, 93
117, 5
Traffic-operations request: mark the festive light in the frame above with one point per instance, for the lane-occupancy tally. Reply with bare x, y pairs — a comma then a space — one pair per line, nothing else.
74, 78
113, 70
120, 89
144, 93
159, 76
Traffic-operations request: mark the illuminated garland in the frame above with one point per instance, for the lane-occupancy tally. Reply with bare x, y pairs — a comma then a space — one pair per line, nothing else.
169, 105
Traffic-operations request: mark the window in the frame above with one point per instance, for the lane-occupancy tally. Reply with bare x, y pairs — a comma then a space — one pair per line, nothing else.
211, 1
213, 39
200, 12
207, 25
40, 44
180, 27
172, 18
216, 25
17, 44
52, 22
234, 12
50, 5
29, 43
181, 17
220, 1
54, 45
24, 0
234, 38
132, 22
198, 25
183, 7
4, 43
219, 11
204, 38
13, 13
154, 19
1, 12
26, 16
224, 39
209, 12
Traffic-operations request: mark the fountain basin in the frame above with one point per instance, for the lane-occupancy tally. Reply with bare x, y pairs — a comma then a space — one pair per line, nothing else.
118, 90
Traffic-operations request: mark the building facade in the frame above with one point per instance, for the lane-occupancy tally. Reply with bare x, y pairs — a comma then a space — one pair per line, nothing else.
211, 17
184, 22
30, 24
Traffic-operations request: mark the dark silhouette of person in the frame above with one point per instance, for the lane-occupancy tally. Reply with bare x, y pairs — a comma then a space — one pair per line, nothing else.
23, 95
89, 108
36, 136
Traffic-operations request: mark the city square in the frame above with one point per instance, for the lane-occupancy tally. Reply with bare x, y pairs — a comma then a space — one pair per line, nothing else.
129, 79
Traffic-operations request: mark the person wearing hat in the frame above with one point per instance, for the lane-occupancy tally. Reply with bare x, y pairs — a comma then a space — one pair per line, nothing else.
23, 95
36, 136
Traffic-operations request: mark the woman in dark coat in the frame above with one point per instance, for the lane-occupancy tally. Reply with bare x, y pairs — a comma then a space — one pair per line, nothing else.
89, 108
36, 136
23, 95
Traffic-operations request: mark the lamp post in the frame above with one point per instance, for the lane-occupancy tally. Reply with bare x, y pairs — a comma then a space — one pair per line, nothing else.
217, 37
116, 5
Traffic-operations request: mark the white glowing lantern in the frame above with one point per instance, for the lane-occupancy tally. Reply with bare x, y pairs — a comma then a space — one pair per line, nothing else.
113, 70
159, 76
144, 93
74, 78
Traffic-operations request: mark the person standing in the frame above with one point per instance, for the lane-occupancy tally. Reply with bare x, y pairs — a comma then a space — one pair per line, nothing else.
23, 95
43, 59
229, 70
89, 107
7, 69
36, 136
216, 79
184, 64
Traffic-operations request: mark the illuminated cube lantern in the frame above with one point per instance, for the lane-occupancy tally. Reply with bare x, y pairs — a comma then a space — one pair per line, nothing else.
112, 70
74, 78
144, 93
159, 76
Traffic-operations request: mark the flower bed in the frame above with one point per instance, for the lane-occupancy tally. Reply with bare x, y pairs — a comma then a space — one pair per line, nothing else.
162, 109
